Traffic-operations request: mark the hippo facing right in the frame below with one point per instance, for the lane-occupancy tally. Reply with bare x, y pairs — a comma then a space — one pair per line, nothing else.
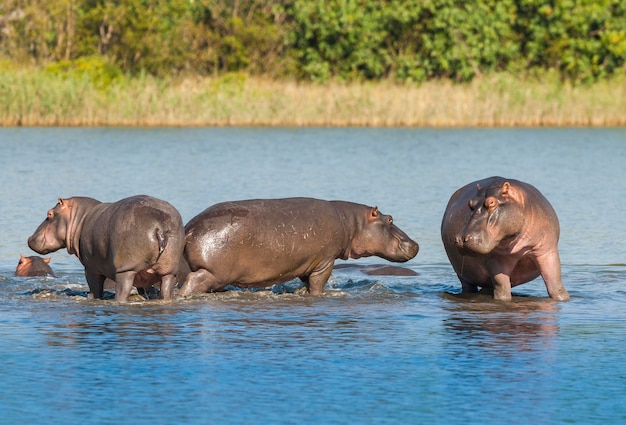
261, 242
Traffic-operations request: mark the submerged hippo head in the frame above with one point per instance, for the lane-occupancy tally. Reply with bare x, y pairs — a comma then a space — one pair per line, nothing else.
379, 236
33, 266
52, 233
496, 214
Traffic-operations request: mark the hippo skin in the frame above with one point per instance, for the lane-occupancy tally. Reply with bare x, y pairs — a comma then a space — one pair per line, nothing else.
500, 233
262, 242
135, 241
33, 265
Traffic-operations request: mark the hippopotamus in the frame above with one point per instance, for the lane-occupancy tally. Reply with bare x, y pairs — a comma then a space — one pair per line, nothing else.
499, 233
33, 266
135, 241
378, 269
262, 242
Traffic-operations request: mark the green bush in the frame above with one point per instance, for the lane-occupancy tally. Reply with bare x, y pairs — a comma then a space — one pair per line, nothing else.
352, 40
94, 69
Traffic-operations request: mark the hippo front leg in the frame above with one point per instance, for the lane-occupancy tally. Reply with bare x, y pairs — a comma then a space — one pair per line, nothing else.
500, 272
96, 285
124, 285
550, 267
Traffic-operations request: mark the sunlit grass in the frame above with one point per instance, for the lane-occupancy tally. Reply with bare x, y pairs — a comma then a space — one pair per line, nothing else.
30, 97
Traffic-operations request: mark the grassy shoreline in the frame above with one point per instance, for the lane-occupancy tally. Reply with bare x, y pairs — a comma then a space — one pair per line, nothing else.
35, 98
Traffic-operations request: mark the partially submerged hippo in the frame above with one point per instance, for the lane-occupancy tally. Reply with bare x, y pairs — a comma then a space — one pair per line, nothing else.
136, 241
33, 265
261, 242
501, 233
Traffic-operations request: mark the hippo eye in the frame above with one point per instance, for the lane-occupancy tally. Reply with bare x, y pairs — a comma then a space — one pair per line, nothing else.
50, 215
491, 203
390, 220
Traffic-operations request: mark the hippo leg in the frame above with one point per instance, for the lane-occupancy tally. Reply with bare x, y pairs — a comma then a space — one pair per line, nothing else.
467, 286
550, 266
500, 272
96, 285
199, 281
123, 285
167, 286
318, 279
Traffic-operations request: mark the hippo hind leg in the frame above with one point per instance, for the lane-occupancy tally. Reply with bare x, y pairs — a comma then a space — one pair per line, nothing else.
124, 285
467, 286
167, 286
199, 281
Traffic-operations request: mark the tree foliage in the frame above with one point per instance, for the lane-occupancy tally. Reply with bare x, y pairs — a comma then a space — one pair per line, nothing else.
405, 40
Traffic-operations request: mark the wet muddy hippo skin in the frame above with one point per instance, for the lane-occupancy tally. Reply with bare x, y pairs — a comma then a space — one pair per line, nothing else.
501, 233
33, 266
258, 243
136, 241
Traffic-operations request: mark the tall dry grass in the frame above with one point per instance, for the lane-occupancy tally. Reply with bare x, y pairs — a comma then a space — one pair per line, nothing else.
34, 98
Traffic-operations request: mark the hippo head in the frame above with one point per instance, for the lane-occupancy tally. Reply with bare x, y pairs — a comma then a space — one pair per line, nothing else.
52, 233
496, 216
379, 236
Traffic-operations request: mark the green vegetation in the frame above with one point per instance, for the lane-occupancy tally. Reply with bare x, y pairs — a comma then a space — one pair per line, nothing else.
312, 62
353, 40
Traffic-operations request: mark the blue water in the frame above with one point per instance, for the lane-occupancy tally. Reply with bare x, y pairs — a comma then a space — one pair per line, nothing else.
372, 349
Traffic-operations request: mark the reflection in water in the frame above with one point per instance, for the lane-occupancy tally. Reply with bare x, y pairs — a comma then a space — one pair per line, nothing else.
504, 352
503, 328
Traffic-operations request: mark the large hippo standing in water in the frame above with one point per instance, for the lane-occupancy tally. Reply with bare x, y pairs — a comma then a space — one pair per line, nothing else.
33, 266
136, 241
261, 242
501, 233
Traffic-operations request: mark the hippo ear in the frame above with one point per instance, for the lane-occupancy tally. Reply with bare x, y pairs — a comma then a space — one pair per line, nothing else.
504, 190
374, 213
511, 192
46, 260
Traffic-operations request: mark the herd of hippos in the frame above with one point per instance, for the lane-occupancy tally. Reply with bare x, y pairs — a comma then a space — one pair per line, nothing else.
497, 233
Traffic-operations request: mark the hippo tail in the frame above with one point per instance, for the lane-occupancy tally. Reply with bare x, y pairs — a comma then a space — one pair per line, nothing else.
161, 236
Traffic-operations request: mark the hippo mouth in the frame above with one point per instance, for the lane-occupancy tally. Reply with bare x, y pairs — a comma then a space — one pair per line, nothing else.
407, 249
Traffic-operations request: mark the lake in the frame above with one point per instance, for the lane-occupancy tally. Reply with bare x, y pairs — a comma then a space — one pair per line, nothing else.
371, 349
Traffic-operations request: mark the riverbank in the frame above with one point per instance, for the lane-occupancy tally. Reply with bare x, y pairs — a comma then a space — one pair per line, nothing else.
36, 98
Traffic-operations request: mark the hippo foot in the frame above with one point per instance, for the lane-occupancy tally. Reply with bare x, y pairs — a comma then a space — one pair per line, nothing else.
302, 291
560, 295
136, 298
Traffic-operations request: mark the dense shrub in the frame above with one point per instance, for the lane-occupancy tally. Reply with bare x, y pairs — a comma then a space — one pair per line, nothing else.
405, 40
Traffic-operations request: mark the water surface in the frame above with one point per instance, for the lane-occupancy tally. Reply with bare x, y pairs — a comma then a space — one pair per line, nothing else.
372, 349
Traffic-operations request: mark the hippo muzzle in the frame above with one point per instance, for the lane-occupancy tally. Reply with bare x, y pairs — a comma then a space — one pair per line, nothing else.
408, 249
473, 244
